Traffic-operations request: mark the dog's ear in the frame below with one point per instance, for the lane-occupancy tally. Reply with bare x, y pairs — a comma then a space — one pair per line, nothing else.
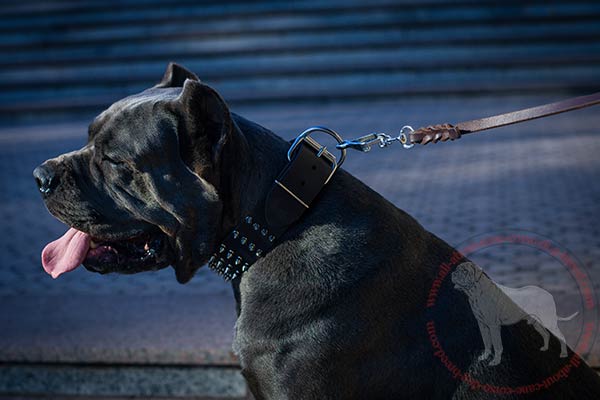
175, 76
208, 121
211, 146
205, 127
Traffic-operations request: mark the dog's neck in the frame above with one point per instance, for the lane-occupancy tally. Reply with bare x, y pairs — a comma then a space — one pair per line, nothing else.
261, 162
249, 165
265, 157
248, 169
278, 203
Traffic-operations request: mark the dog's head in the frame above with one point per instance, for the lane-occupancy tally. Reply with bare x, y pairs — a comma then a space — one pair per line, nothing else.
465, 276
146, 190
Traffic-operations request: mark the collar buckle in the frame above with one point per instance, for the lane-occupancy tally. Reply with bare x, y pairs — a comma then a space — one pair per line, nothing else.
320, 150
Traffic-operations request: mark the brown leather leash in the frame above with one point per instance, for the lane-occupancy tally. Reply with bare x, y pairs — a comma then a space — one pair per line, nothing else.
443, 132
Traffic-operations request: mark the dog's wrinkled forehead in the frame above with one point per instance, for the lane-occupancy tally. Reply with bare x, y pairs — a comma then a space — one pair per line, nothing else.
132, 124
131, 109
148, 97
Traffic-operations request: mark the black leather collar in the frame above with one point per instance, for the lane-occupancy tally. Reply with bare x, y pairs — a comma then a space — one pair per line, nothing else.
295, 188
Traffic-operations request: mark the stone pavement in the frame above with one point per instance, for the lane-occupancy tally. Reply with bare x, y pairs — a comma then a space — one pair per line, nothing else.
541, 177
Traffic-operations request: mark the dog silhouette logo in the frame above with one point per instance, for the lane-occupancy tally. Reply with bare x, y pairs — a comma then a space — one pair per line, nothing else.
494, 306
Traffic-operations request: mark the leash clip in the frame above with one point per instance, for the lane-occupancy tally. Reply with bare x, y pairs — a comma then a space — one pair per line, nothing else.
365, 143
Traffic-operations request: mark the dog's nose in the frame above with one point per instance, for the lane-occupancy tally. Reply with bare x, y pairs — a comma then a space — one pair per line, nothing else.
45, 178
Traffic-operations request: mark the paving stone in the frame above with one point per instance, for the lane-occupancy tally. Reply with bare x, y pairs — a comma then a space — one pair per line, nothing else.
134, 381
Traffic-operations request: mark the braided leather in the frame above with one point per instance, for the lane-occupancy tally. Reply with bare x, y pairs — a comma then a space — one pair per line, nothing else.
435, 133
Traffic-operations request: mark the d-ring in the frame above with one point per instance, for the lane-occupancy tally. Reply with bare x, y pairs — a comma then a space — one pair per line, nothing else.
404, 138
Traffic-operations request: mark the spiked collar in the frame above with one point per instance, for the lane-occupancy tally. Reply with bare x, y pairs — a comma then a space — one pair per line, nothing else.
310, 166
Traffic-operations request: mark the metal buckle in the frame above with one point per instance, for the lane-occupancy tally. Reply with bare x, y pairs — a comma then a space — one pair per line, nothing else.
321, 150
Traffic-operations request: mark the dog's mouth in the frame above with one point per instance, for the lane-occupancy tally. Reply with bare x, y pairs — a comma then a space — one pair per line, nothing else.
141, 253
144, 252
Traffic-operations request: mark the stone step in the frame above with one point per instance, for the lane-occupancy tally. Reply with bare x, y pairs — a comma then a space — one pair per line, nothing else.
268, 23
93, 397
417, 11
250, 43
163, 346
115, 381
402, 58
48, 7
335, 86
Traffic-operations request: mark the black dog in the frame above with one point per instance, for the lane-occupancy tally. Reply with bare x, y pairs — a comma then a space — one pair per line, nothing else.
338, 309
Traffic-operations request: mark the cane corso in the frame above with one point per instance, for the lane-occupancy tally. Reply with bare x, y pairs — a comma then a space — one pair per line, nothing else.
338, 309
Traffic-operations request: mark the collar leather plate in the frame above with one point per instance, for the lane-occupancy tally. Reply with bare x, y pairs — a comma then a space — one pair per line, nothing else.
292, 193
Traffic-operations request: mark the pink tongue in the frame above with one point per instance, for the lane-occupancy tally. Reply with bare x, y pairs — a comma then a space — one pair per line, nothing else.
65, 254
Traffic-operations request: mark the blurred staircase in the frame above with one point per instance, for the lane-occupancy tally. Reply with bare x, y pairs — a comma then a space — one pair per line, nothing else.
66, 59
